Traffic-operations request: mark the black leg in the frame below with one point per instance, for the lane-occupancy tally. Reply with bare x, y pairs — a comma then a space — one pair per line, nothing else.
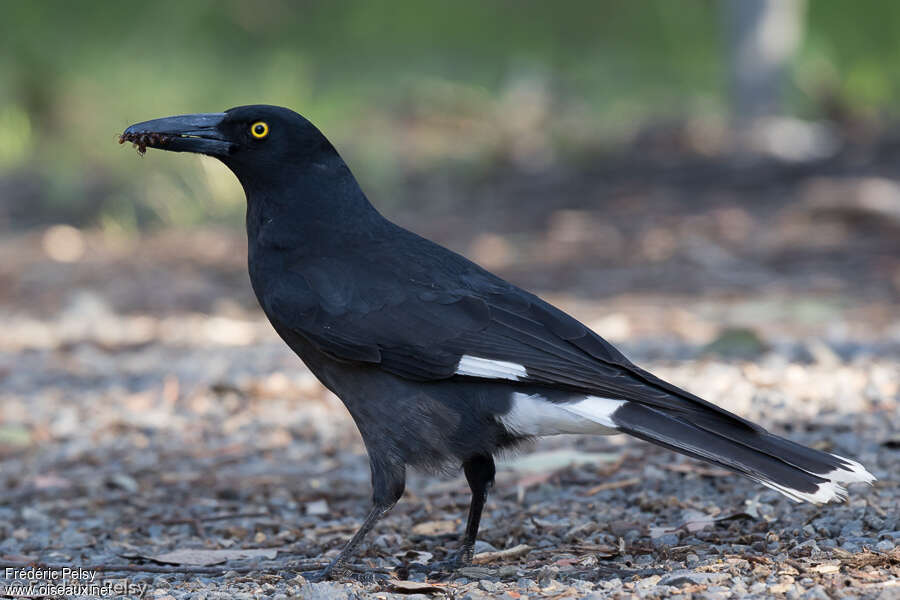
388, 484
479, 472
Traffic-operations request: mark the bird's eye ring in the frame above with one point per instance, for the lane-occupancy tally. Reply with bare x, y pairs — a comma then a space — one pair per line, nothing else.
259, 130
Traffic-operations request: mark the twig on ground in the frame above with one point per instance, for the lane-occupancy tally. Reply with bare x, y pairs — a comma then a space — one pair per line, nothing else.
611, 485
514, 552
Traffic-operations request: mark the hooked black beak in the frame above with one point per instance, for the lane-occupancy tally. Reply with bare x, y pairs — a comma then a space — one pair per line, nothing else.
184, 133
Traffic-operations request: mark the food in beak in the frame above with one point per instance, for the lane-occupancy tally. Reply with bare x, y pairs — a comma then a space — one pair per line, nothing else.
142, 140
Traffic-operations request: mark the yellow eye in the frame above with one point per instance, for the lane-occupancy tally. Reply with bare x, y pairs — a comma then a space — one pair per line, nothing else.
260, 129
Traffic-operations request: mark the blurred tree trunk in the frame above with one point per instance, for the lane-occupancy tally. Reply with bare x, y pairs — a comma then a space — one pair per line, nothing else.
762, 37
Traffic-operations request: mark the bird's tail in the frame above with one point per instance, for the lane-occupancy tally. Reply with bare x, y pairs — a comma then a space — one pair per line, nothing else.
798, 472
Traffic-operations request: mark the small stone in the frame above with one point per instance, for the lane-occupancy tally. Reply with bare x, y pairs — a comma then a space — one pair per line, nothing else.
816, 593
647, 582
317, 507
670, 539
715, 594
853, 528
326, 590
884, 546
686, 577
507, 571
611, 584
526, 584
476, 573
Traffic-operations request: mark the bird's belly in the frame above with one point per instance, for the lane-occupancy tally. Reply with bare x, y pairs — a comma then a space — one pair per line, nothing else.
427, 425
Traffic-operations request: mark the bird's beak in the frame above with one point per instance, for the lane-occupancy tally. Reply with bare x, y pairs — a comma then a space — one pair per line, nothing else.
185, 133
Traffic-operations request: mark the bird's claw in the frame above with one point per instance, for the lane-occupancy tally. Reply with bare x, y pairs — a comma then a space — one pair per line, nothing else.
455, 562
326, 574
340, 572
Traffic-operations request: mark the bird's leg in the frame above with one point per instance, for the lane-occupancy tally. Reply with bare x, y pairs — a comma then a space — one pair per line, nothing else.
388, 484
479, 472
336, 569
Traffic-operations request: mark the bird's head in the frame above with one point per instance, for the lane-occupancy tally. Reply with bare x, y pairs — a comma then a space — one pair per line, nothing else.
290, 172
248, 139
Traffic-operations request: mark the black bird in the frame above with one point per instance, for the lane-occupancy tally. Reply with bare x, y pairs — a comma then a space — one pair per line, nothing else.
438, 360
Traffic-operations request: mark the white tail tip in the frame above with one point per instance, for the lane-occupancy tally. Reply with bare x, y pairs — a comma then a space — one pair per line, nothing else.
831, 490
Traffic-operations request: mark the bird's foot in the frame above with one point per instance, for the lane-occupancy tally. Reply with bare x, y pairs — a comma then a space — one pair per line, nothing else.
330, 573
340, 571
455, 562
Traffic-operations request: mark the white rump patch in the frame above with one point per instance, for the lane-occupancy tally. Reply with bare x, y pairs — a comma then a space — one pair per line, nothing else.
596, 409
534, 415
831, 489
491, 369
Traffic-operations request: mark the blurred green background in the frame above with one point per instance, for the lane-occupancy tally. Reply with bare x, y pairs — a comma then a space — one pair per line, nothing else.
403, 88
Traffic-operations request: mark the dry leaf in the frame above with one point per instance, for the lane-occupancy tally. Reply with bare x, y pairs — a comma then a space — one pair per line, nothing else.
824, 568
203, 558
434, 528
514, 552
696, 521
415, 587
698, 524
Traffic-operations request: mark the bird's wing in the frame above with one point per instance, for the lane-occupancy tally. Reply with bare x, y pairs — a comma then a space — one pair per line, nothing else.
483, 327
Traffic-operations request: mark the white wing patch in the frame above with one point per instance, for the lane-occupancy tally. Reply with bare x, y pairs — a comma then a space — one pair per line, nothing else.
491, 369
534, 415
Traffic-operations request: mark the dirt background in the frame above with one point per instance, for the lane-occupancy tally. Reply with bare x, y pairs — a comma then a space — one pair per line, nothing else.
146, 407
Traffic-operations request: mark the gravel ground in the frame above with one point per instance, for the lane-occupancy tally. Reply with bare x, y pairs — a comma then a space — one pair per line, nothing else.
194, 454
